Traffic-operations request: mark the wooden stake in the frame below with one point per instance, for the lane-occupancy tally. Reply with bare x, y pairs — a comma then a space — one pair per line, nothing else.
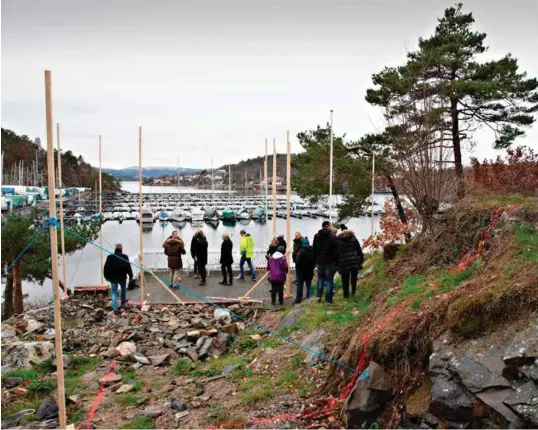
274, 187
246, 296
54, 255
373, 188
287, 293
142, 283
101, 208
62, 238
265, 179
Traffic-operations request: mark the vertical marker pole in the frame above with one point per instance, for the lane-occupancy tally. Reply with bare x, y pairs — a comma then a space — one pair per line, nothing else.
274, 187
373, 188
54, 255
331, 174
265, 179
101, 208
141, 275
62, 238
288, 213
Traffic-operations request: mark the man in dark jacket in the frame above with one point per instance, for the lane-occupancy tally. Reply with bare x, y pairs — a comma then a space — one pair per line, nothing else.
272, 248
326, 254
304, 269
297, 243
202, 256
226, 260
116, 270
350, 260
174, 248
194, 253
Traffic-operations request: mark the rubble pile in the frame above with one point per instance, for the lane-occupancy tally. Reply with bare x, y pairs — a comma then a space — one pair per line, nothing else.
195, 331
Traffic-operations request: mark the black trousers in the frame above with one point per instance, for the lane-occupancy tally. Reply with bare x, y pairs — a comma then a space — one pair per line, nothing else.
227, 274
346, 274
277, 287
202, 271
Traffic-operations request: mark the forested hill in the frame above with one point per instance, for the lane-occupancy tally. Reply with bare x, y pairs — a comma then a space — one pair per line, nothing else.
75, 171
253, 167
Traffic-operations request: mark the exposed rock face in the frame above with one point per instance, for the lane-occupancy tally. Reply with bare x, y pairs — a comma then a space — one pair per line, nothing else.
491, 382
372, 390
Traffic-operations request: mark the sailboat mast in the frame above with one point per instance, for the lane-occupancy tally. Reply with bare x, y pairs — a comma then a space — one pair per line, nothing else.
178, 174
212, 184
229, 184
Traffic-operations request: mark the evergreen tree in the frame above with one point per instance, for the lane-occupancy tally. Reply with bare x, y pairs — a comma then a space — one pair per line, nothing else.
35, 263
351, 174
467, 94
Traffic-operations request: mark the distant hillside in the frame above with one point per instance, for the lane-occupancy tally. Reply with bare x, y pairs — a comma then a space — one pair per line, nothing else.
131, 173
253, 167
20, 157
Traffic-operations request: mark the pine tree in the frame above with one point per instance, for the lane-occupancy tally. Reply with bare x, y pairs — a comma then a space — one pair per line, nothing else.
35, 263
445, 72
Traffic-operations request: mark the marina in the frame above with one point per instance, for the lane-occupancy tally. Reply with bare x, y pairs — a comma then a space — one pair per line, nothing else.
83, 267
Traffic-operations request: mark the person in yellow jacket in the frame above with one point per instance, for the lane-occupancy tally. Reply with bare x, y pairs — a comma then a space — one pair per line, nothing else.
246, 249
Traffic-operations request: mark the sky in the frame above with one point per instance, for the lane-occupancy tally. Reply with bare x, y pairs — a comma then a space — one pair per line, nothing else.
212, 79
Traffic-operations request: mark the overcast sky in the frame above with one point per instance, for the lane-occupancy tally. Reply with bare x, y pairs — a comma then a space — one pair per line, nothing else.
214, 78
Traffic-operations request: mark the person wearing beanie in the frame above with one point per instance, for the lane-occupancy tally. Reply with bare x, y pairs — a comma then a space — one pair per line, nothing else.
282, 242
115, 271
246, 249
343, 227
278, 270
326, 254
174, 248
304, 270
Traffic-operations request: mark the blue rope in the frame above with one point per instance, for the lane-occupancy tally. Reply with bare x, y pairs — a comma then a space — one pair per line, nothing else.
216, 305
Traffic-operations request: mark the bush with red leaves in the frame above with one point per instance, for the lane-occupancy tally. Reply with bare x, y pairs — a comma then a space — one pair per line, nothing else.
517, 172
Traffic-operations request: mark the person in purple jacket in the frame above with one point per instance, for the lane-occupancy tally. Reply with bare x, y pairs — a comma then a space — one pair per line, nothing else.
278, 270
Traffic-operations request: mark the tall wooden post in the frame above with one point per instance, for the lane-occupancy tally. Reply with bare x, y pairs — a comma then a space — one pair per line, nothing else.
266, 180
372, 201
101, 208
54, 254
142, 283
274, 187
62, 238
288, 212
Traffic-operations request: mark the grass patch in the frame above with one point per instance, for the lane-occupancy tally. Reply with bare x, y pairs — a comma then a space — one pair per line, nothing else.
527, 240
303, 391
257, 394
287, 377
131, 400
182, 366
79, 366
221, 416
138, 422
41, 387
412, 286
296, 361
26, 374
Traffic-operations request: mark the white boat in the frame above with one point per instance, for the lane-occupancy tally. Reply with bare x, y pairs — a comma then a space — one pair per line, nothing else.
126, 215
178, 214
147, 215
211, 214
197, 214
116, 215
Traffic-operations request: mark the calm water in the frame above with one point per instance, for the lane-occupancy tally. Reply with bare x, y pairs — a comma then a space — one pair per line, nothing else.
84, 267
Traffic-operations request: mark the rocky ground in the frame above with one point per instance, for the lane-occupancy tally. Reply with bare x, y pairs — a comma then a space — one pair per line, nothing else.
164, 366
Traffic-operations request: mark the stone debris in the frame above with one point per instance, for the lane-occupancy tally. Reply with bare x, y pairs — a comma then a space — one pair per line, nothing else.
48, 410
124, 388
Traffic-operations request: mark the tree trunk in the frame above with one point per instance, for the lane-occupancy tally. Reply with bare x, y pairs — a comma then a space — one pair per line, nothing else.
18, 307
399, 207
457, 148
7, 310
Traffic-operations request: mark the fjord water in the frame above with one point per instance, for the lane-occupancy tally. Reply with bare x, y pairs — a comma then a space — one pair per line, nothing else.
84, 267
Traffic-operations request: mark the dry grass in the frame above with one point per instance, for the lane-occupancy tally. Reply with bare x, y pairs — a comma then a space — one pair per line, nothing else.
501, 289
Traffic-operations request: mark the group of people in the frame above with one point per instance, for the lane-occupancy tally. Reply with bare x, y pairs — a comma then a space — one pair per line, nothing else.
331, 251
